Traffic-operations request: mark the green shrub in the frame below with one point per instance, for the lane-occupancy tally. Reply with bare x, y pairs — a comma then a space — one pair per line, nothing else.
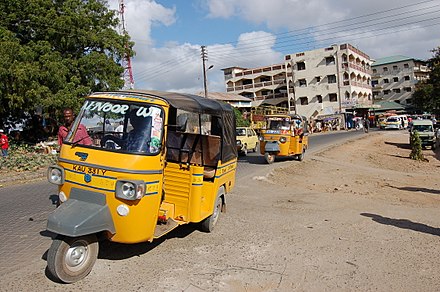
25, 157
416, 147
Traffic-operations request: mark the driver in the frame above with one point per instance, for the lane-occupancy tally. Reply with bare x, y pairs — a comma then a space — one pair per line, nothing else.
139, 138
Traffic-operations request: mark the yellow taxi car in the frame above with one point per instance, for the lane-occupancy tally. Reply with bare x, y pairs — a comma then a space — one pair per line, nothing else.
247, 140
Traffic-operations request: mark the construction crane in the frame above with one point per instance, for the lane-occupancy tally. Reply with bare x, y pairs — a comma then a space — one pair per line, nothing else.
126, 60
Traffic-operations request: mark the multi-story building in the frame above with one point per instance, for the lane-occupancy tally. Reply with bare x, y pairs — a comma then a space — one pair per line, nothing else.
259, 84
394, 78
328, 80
322, 81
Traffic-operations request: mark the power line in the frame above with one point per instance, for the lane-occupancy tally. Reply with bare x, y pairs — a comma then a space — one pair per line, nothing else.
328, 30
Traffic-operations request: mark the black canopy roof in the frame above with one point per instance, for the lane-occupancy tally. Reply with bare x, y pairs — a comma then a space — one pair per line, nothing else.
188, 102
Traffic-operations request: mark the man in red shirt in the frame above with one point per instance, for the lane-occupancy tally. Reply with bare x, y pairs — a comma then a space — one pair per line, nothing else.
81, 135
4, 143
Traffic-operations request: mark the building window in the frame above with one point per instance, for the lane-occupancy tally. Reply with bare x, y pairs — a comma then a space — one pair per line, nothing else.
405, 66
318, 78
386, 80
398, 101
374, 82
396, 90
333, 97
396, 79
331, 78
330, 60
385, 69
304, 100
302, 83
319, 98
374, 71
394, 67
385, 92
408, 89
301, 66
406, 78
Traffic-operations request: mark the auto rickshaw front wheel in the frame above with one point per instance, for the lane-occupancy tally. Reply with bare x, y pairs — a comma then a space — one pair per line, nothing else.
270, 158
209, 223
70, 259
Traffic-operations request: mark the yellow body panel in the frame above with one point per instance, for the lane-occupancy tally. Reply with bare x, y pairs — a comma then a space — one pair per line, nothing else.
139, 224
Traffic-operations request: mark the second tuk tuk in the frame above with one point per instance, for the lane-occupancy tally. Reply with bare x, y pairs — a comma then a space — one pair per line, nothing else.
284, 135
134, 166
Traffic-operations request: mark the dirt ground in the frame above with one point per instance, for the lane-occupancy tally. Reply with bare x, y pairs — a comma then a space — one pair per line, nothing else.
361, 216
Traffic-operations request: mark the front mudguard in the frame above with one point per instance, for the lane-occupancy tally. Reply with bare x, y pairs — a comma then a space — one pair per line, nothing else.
83, 213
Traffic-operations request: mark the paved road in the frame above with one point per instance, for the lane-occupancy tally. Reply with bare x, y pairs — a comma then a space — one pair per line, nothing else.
24, 208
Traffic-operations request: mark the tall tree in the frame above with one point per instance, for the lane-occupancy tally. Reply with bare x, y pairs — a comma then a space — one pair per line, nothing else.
427, 95
54, 52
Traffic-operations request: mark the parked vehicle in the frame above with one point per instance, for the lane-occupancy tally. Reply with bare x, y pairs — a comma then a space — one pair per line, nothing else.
247, 140
171, 162
285, 135
426, 132
398, 122
382, 122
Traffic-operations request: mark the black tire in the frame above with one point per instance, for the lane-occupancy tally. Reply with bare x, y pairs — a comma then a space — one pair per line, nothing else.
245, 150
209, 223
270, 158
71, 259
302, 155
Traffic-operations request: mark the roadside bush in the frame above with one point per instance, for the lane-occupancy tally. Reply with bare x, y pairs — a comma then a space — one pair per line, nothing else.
24, 157
416, 147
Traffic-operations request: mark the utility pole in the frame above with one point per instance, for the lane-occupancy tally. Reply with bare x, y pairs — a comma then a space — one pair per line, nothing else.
204, 59
126, 61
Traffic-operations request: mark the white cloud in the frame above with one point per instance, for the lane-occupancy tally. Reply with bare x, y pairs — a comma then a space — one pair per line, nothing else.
178, 67
297, 14
142, 15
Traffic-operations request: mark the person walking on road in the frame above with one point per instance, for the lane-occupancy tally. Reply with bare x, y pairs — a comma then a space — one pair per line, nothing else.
4, 143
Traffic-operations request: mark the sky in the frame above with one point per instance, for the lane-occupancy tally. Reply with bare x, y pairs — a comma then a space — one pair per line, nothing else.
168, 34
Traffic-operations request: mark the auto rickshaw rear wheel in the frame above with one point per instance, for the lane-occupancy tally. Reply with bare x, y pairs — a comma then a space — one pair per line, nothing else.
270, 158
301, 156
209, 223
70, 259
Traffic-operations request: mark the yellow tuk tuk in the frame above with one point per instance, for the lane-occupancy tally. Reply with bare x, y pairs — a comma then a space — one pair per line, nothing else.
285, 135
134, 166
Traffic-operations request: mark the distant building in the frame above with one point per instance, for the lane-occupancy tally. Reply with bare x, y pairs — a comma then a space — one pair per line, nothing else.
394, 78
311, 83
233, 99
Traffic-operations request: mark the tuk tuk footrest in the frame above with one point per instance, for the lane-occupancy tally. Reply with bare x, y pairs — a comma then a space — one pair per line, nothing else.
162, 229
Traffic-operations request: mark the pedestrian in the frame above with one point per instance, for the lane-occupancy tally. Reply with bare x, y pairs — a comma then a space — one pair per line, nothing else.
4, 143
81, 135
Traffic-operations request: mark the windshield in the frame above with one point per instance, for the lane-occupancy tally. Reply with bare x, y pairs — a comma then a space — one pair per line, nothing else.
278, 124
120, 127
392, 120
240, 132
423, 128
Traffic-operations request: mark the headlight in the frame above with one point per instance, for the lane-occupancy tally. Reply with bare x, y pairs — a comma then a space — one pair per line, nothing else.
130, 189
261, 138
283, 139
55, 175
238, 142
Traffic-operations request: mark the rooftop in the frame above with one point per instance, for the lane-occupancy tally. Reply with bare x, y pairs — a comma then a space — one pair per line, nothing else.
391, 59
